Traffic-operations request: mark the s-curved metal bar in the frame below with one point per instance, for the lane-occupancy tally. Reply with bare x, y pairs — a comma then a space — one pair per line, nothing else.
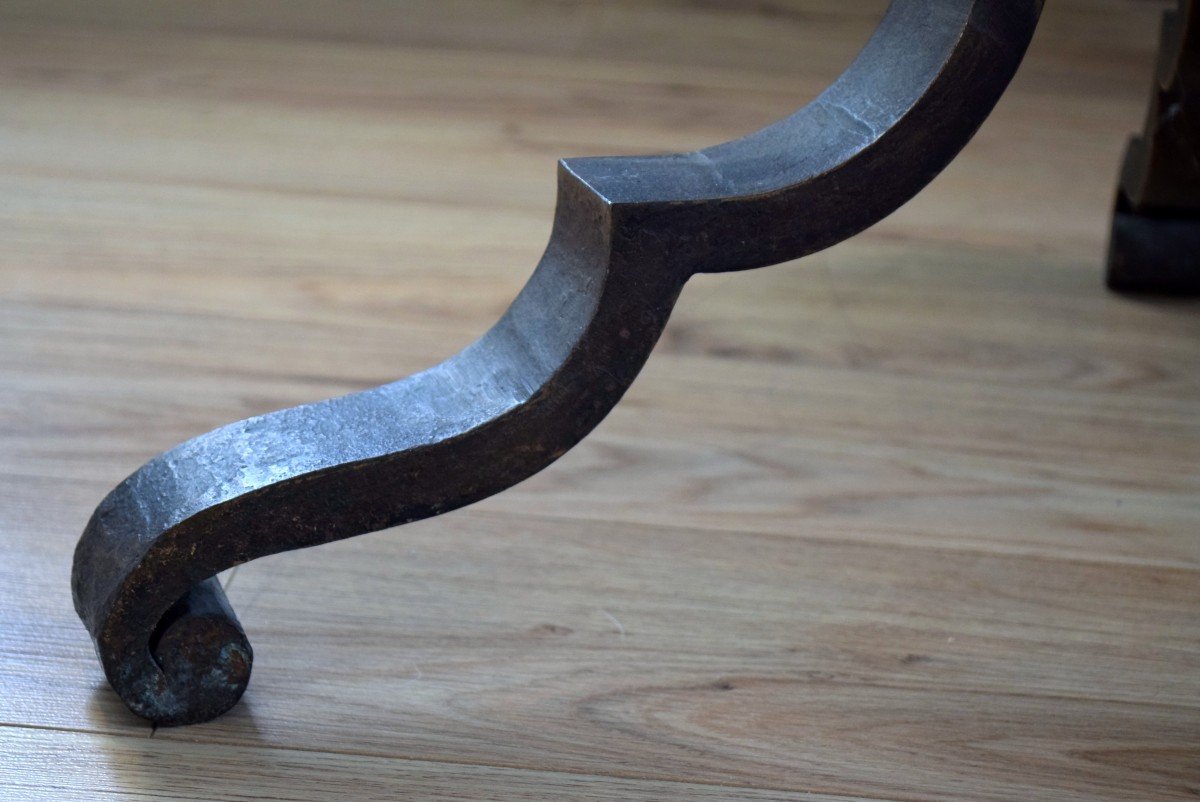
627, 234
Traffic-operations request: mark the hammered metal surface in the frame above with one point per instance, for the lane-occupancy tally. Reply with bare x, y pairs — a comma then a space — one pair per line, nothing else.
628, 233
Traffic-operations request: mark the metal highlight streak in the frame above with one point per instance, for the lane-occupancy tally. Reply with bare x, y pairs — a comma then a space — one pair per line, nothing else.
628, 233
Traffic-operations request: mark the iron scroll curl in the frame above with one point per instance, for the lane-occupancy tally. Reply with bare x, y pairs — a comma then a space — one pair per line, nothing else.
626, 236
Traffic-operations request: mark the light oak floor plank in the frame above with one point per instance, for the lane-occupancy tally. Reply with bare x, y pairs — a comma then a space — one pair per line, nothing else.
123, 767
913, 519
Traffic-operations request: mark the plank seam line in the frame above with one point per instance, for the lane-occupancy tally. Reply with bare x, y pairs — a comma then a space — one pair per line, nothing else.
831, 540
830, 796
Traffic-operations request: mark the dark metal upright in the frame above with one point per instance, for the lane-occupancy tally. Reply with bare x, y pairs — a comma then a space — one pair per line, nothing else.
1155, 245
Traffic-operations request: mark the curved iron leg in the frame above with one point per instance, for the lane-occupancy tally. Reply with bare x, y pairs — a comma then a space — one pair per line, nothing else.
628, 233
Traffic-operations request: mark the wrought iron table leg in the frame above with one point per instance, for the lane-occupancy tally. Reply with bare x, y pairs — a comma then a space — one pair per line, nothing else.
627, 234
1155, 244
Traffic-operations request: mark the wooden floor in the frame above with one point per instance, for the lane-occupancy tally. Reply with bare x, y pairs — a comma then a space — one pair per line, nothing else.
915, 519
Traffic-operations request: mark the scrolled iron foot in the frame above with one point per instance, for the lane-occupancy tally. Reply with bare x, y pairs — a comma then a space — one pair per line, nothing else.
627, 234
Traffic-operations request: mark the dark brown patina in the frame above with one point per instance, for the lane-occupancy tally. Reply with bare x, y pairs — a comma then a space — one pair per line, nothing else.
627, 235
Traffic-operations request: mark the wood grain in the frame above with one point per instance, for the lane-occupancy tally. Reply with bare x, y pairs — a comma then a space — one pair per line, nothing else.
913, 519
